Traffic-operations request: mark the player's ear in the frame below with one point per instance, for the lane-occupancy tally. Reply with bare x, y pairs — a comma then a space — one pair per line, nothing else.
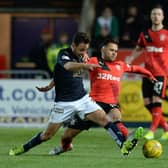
73, 45
102, 48
163, 17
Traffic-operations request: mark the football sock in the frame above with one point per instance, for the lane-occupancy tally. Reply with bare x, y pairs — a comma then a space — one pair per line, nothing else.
122, 128
115, 133
163, 123
66, 143
149, 107
156, 115
36, 140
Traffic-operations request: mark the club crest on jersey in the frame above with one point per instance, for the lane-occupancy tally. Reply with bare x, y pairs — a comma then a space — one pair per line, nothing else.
118, 67
162, 37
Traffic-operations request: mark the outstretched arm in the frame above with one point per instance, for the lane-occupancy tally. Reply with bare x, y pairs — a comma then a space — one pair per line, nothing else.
143, 71
46, 88
135, 54
74, 66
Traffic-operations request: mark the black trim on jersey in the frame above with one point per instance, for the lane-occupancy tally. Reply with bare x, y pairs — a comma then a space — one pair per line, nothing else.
102, 63
147, 36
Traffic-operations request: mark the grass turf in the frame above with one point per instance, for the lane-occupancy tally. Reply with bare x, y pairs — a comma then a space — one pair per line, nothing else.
92, 149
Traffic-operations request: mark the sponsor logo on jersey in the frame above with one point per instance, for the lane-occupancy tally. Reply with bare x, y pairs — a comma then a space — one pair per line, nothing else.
154, 49
106, 76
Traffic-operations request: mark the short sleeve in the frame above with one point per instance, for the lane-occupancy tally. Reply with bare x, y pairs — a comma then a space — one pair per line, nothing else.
141, 40
63, 58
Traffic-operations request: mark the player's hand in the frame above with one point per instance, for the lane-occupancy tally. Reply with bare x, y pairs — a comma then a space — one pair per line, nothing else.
85, 57
153, 79
92, 66
43, 89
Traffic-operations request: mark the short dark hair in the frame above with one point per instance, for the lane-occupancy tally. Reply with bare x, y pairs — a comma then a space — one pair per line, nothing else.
157, 6
80, 37
107, 41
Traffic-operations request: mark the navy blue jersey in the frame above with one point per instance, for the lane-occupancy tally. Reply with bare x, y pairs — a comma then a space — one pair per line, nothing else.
68, 84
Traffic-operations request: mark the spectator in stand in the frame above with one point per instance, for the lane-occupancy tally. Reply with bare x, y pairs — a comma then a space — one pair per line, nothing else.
133, 24
38, 53
96, 42
107, 21
55, 48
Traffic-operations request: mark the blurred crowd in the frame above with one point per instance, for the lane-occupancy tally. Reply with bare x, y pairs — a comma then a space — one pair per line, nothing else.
123, 30
110, 20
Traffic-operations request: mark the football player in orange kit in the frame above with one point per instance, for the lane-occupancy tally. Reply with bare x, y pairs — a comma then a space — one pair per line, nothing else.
153, 43
105, 89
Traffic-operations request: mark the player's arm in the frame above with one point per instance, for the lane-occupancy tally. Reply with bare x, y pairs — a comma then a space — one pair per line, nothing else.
143, 71
68, 64
46, 88
74, 66
135, 54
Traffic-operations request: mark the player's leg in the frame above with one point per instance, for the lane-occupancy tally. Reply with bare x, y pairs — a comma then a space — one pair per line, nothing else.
113, 111
66, 141
59, 113
36, 140
88, 109
164, 125
126, 146
77, 125
156, 116
73, 129
153, 95
100, 118
147, 90
115, 115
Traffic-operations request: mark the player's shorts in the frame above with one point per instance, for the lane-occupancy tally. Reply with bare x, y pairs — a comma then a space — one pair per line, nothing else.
77, 123
63, 111
150, 89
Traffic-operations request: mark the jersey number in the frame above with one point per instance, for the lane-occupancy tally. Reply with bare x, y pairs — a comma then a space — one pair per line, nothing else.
158, 87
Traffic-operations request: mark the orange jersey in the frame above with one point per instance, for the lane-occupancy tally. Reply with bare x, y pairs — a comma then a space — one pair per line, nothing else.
156, 51
105, 82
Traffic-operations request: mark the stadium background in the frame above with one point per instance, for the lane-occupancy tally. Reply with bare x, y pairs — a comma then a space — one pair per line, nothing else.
21, 22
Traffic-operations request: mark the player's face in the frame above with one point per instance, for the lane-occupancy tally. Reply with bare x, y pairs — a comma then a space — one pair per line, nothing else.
109, 52
157, 16
81, 49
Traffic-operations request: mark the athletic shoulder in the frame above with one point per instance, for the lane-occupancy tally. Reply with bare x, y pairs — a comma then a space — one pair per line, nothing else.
65, 54
66, 51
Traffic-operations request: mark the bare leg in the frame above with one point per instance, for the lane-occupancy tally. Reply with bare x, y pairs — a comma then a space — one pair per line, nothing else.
36, 140
68, 136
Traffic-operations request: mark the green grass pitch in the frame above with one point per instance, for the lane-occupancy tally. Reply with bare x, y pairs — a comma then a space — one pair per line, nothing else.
92, 149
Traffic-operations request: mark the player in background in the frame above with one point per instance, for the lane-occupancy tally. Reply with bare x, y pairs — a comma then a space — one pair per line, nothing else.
153, 43
105, 89
71, 98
